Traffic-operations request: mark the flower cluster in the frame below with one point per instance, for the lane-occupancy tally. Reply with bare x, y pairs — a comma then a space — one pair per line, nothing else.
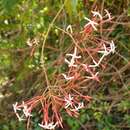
68, 96
26, 108
73, 105
69, 103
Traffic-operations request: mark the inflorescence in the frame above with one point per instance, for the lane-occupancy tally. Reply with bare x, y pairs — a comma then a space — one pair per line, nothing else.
69, 97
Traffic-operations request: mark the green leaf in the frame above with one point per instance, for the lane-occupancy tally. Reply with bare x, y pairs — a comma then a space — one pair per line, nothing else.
98, 116
71, 7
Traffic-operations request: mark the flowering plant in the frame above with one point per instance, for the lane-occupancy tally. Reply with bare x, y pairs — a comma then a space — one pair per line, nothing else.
83, 62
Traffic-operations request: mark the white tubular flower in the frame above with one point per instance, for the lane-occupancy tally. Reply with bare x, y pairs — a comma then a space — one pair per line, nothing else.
93, 76
69, 29
26, 110
68, 78
105, 52
92, 23
71, 63
95, 63
80, 106
68, 101
108, 14
19, 118
95, 13
112, 47
111, 50
74, 54
15, 107
49, 126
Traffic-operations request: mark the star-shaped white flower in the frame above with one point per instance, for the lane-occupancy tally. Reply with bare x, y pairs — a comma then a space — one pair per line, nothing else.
16, 108
48, 126
68, 101
26, 110
95, 13
92, 23
96, 64
80, 106
105, 52
71, 63
108, 51
93, 76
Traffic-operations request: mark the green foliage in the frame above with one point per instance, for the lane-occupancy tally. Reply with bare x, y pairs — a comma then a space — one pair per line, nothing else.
124, 105
8, 5
73, 123
13, 125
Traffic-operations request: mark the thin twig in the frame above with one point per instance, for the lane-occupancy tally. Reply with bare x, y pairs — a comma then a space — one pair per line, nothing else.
42, 61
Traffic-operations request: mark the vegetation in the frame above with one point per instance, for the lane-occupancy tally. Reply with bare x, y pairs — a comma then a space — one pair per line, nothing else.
38, 38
